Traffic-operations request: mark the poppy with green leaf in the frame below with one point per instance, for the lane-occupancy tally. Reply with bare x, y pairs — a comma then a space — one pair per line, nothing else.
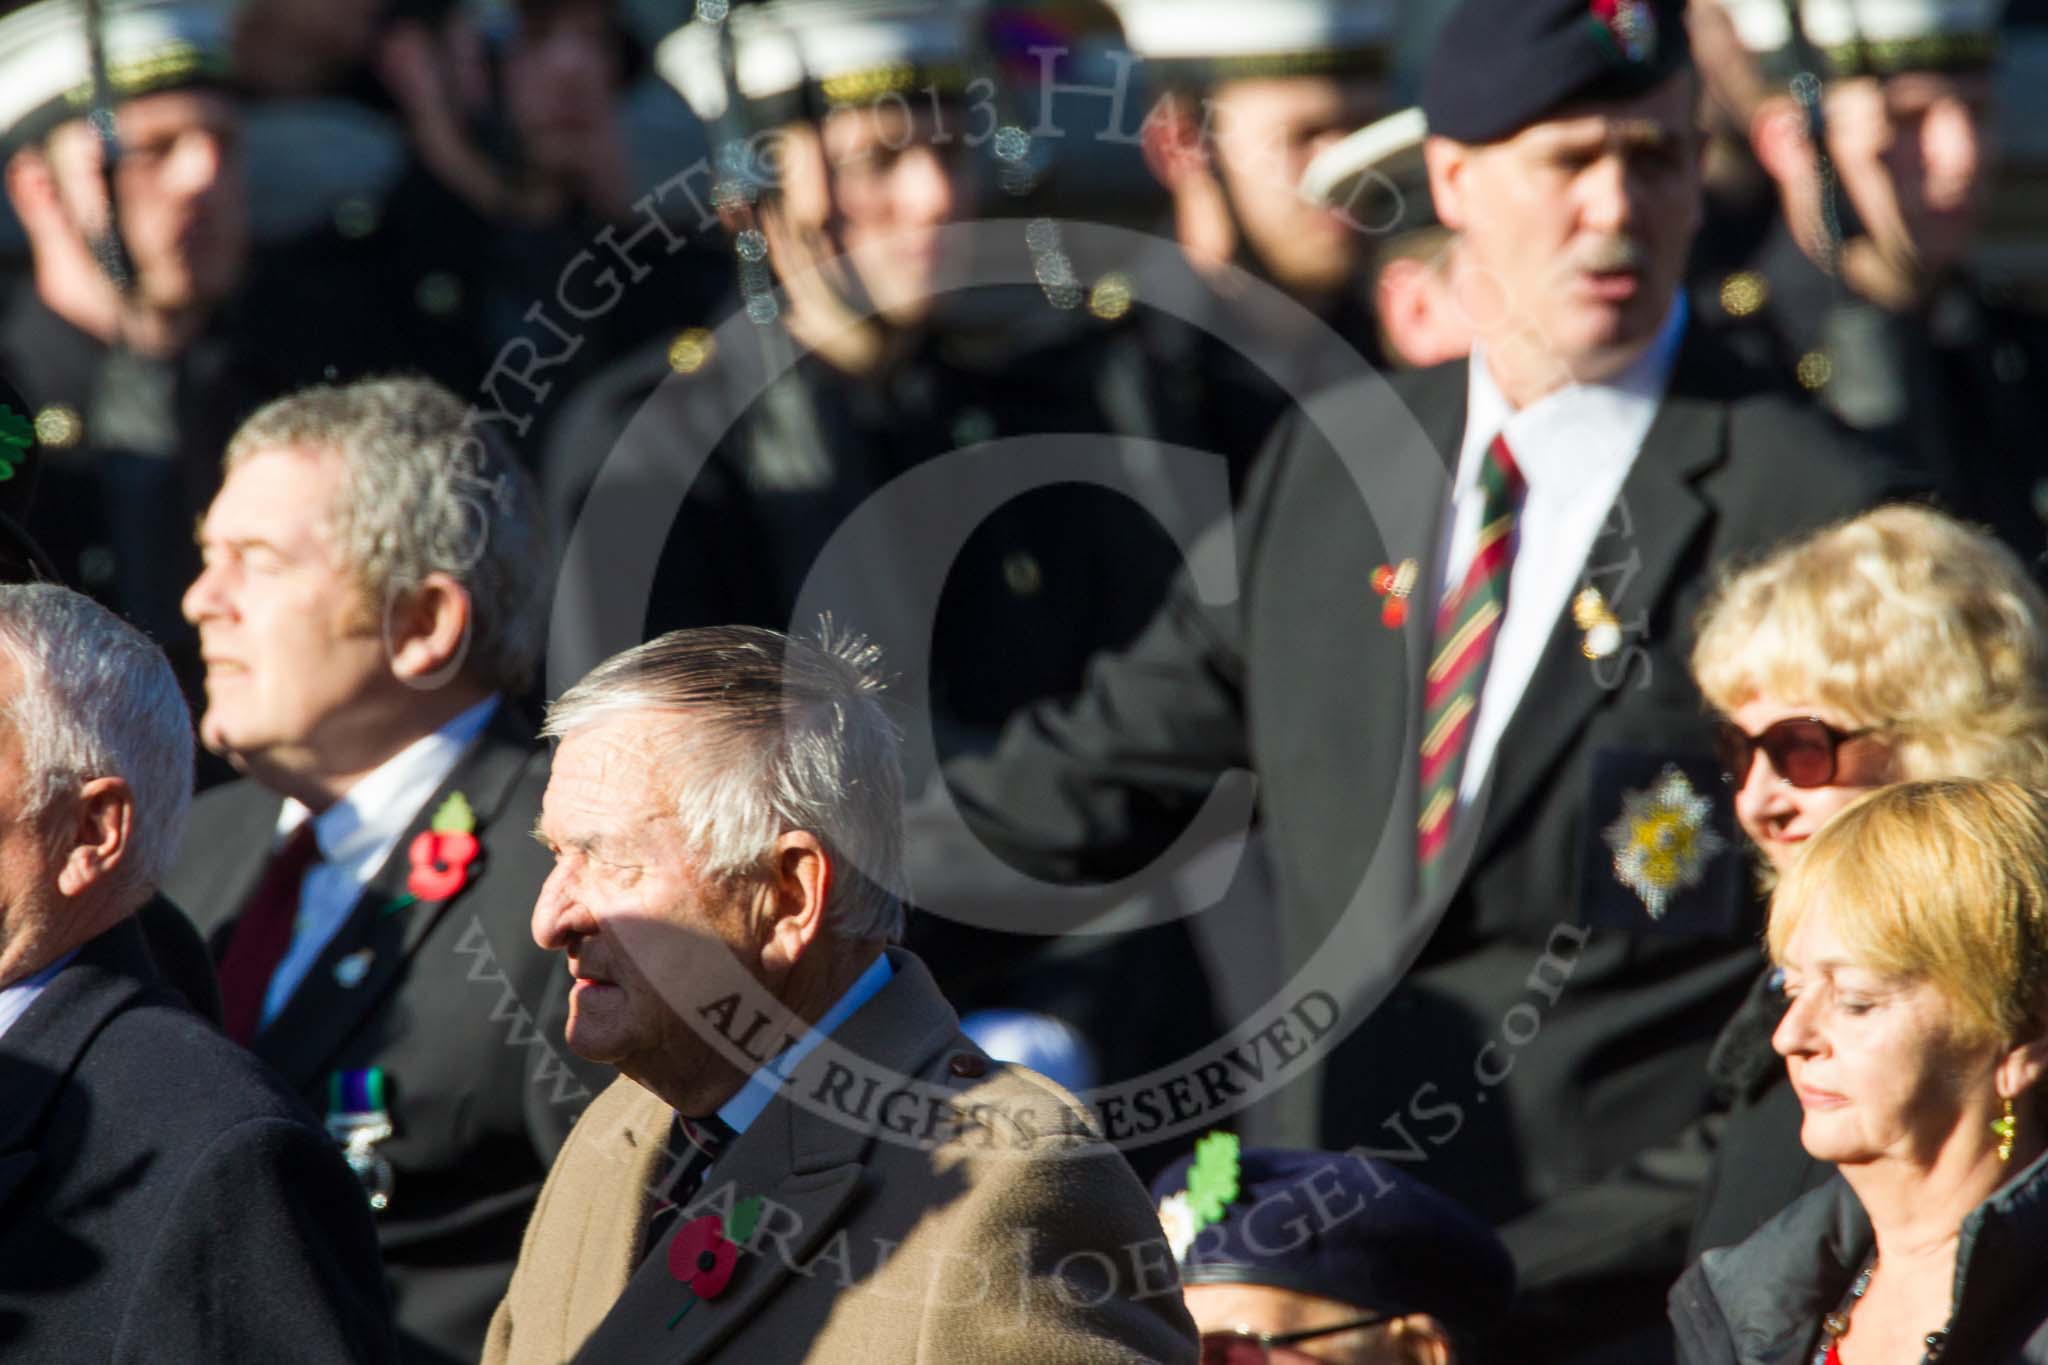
706, 1251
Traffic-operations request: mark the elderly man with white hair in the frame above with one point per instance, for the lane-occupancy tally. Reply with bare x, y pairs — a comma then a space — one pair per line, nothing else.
805, 1158
162, 1197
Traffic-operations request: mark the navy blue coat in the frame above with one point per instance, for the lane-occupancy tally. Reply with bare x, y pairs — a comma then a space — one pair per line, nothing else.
162, 1196
1761, 1303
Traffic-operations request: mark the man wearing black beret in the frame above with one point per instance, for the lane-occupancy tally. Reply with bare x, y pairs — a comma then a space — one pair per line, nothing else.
1456, 663
1302, 1255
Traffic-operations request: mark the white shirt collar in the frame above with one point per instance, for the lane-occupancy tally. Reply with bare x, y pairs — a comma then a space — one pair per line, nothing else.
1575, 448
1567, 434
15, 999
357, 835
377, 810
764, 1085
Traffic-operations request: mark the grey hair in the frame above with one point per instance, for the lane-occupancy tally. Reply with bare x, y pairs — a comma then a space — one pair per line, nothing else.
98, 699
424, 491
786, 736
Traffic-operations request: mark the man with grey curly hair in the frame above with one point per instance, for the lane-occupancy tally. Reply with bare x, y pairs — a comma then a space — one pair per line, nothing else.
795, 1095
123, 1110
372, 594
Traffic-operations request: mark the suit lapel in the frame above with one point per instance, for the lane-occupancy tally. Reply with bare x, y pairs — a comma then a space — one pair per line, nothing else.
1411, 512
807, 1202
1656, 519
1443, 422
237, 865
809, 1170
386, 923
40, 1051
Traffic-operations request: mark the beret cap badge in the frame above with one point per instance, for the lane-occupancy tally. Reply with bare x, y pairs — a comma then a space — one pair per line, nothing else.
1212, 1183
1629, 27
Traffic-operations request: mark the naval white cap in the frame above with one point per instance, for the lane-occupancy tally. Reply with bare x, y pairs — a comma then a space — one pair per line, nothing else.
1277, 36
150, 45
850, 51
1874, 36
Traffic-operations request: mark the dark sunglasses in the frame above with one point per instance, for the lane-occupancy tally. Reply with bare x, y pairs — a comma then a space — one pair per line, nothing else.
1246, 1347
1801, 749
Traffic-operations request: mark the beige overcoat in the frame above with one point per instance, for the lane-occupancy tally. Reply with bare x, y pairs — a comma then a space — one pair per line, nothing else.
920, 1204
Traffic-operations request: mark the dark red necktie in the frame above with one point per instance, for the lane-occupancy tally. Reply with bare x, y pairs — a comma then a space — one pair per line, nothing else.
263, 932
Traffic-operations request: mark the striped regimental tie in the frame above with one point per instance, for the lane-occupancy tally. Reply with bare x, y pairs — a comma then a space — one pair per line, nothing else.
1466, 625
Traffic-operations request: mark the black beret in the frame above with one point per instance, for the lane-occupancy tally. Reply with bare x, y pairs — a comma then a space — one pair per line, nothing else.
1500, 65
1338, 1226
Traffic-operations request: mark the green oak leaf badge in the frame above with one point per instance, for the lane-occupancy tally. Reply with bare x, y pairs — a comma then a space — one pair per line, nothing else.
17, 433
1212, 1179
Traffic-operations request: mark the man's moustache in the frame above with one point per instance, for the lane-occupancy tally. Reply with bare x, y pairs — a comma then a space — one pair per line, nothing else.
1621, 253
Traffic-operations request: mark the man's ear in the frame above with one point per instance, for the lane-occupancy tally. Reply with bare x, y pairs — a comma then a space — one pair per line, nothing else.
1448, 162
1420, 1339
802, 194
32, 187
1777, 134
427, 630
1171, 139
102, 823
799, 883
1398, 304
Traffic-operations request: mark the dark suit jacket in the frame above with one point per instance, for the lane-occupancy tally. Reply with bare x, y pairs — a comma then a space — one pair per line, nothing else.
461, 1009
1534, 1026
162, 1197
181, 955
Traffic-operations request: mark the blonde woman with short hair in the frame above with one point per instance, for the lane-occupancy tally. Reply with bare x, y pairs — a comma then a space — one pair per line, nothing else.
1898, 645
1913, 935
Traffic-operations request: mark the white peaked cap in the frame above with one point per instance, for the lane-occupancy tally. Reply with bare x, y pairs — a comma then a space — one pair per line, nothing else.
1391, 147
46, 68
780, 47
1222, 30
1833, 26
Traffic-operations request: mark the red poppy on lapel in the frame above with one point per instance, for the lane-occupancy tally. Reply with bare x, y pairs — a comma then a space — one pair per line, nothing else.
702, 1257
440, 864
706, 1250
444, 855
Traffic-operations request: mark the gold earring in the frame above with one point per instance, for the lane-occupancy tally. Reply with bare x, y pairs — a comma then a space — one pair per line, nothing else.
2004, 1128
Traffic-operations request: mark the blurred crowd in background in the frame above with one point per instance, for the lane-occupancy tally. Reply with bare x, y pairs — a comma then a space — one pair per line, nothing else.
903, 316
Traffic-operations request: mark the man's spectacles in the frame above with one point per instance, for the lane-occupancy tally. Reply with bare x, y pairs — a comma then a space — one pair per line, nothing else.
1801, 749
1243, 1346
